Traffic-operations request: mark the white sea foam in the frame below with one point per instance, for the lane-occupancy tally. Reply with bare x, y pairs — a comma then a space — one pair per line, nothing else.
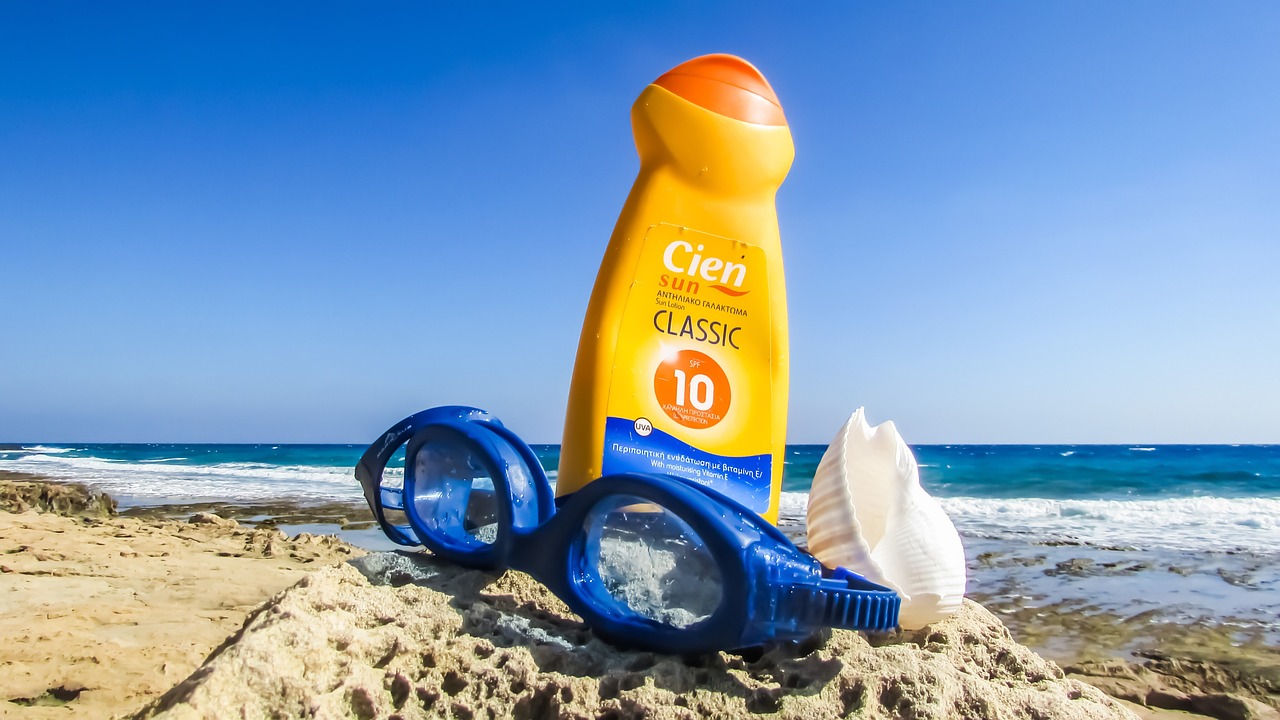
45, 449
223, 481
791, 513
1195, 524
1188, 523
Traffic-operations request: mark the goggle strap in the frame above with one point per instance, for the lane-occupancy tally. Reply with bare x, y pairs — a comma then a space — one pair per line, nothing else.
845, 600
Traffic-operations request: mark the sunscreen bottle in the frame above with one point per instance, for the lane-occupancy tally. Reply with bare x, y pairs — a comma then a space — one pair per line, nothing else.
682, 366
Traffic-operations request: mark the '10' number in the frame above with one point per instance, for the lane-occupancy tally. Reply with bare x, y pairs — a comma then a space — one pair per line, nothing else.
698, 402
701, 391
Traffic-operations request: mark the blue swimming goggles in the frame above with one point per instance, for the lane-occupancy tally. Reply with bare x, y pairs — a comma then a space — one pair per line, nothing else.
648, 561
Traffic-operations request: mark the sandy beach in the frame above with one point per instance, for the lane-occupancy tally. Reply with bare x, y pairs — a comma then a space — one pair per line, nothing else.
109, 616
99, 614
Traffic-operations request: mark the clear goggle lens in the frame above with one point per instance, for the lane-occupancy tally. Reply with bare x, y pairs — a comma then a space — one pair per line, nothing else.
651, 563
453, 494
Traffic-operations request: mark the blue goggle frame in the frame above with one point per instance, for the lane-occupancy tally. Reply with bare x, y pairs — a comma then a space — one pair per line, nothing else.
770, 589
375, 458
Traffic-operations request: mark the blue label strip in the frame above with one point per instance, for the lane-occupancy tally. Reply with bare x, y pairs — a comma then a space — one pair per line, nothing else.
745, 479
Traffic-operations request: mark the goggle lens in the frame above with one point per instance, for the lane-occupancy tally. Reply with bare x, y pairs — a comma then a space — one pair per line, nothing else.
651, 563
453, 494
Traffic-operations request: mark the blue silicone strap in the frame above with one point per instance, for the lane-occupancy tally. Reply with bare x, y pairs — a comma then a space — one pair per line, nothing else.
846, 600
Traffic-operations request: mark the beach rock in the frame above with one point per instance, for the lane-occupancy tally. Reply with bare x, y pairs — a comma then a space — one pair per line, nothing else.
1077, 567
263, 541
71, 499
207, 518
1186, 685
432, 640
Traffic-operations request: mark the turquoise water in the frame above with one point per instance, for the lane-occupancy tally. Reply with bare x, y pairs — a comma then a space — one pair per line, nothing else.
993, 471
1181, 496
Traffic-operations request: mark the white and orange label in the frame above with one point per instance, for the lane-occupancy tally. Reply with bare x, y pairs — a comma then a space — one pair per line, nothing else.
690, 393
692, 389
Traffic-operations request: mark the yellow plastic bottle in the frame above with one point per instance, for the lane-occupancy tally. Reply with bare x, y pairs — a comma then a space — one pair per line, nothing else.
682, 366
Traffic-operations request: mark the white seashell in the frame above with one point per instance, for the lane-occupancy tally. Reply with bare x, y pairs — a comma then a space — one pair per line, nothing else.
868, 513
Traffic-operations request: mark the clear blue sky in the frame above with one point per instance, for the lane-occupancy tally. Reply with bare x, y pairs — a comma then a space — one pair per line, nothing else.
1006, 222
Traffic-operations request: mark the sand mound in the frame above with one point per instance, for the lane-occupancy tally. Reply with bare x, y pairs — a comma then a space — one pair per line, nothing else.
431, 640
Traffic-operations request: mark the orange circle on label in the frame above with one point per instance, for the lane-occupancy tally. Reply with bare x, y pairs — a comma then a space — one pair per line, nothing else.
692, 389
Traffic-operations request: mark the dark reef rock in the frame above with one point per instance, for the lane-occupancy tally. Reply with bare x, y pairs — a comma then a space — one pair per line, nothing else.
71, 499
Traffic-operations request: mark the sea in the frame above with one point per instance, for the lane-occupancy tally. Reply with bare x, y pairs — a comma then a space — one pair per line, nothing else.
1150, 535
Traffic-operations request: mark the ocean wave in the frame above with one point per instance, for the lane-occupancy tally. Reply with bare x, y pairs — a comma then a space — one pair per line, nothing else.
1194, 523
791, 512
1188, 523
45, 449
138, 482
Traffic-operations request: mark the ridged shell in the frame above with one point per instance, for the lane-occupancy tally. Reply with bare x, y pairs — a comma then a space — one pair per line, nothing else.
868, 513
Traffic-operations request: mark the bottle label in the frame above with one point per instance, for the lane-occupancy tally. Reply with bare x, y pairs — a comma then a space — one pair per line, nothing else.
691, 389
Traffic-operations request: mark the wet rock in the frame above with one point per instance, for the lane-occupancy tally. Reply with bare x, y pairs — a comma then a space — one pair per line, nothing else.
1076, 567
1004, 560
205, 518
70, 499
1185, 685
1242, 579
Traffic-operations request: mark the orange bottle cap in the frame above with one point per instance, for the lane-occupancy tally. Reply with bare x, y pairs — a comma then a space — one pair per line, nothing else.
727, 85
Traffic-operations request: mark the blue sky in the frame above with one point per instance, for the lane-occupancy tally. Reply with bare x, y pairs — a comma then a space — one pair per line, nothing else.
1006, 222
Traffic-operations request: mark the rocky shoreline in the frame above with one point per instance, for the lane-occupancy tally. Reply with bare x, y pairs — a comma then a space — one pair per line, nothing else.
20, 493
186, 617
